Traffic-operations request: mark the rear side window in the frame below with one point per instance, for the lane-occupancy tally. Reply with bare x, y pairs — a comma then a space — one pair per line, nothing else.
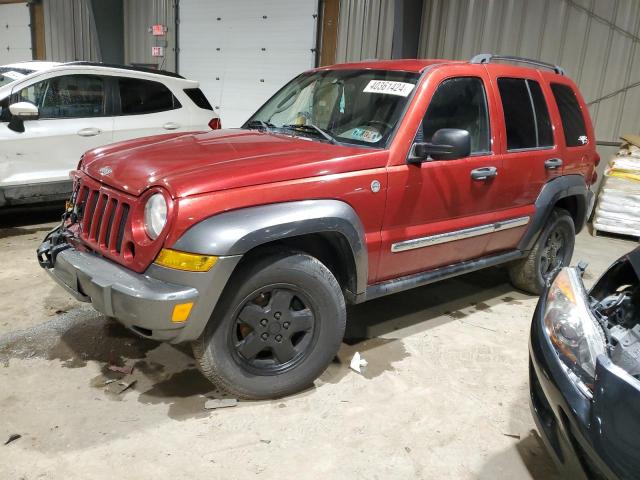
459, 103
143, 96
575, 131
525, 114
197, 97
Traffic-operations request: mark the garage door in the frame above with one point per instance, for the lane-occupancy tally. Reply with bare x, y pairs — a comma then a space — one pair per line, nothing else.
15, 33
243, 51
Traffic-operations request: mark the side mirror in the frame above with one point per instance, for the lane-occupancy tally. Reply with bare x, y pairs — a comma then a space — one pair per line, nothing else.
446, 144
20, 112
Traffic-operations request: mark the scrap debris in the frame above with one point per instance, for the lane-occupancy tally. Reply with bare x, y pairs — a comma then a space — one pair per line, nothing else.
126, 370
220, 403
12, 438
358, 363
512, 435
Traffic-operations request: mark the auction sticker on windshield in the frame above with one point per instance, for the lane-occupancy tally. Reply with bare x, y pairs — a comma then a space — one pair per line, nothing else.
389, 87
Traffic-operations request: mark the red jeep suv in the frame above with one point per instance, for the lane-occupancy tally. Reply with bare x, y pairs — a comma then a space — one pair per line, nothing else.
352, 182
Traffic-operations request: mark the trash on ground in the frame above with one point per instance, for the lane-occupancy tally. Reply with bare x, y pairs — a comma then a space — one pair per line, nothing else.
266, 441
220, 403
512, 435
358, 363
126, 370
12, 438
124, 385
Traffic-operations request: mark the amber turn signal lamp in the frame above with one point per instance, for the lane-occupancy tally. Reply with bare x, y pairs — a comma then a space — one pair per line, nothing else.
181, 312
191, 262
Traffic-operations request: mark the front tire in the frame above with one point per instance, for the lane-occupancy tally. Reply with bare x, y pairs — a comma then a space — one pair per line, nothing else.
552, 251
279, 324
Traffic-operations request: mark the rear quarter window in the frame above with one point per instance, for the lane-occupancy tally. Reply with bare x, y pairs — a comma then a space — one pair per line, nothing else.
197, 97
575, 131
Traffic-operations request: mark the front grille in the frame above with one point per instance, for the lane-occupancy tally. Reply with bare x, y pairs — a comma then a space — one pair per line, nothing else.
103, 215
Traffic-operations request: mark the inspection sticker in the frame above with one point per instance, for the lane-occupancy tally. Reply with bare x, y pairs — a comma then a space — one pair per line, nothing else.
401, 89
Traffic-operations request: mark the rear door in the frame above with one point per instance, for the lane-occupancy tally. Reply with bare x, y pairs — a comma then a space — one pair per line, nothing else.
146, 107
74, 118
577, 138
530, 153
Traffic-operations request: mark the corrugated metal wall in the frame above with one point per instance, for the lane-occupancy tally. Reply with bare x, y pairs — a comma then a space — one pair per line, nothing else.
139, 16
365, 30
596, 41
70, 31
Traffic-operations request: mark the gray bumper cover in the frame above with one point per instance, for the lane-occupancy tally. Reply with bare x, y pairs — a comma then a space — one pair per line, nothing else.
144, 302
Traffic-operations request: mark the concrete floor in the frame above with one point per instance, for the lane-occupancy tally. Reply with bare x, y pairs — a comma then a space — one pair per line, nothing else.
444, 395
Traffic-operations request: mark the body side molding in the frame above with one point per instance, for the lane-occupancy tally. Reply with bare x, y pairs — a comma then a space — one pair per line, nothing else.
554, 190
459, 234
238, 231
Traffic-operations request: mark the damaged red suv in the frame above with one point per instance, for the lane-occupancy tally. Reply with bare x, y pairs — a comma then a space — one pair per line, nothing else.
352, 182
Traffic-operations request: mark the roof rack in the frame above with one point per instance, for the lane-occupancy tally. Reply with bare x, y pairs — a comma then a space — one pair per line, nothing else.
488, 58
127, 67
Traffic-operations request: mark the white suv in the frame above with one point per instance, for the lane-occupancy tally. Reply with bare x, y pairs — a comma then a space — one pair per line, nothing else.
50, 114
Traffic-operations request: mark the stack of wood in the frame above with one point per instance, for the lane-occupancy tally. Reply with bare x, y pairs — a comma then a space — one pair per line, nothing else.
618, 208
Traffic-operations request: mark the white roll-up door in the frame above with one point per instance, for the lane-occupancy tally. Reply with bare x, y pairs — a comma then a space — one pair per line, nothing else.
15, 33
242, 52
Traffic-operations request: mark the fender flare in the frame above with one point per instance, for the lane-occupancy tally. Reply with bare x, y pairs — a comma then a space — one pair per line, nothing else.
552, 191
238, 231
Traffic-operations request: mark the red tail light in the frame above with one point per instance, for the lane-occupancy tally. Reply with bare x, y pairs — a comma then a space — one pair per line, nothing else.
215, 124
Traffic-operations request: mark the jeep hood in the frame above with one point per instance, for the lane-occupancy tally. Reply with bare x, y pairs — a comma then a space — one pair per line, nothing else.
193, 163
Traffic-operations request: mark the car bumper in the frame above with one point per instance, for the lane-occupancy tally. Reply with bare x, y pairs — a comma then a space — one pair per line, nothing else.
587, 438
143, 302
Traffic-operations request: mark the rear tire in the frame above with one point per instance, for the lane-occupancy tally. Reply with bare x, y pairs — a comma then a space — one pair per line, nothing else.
552, 251
278, 325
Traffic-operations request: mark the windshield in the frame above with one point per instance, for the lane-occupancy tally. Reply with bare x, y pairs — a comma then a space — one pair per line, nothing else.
8, 74
359, 107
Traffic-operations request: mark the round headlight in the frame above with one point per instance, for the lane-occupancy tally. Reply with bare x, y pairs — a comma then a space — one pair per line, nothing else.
155, 215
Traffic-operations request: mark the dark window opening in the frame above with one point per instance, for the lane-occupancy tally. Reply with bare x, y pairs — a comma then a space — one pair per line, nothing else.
459, 103
575, 131
139, 97
197, 97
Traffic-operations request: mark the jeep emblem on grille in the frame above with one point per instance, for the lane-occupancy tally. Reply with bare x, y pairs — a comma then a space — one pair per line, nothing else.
105, 171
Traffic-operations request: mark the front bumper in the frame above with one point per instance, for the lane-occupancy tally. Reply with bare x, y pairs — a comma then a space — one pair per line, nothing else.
142, 302
588, 438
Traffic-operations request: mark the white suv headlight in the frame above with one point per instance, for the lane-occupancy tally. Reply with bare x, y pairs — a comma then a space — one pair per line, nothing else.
155, 215
572, 328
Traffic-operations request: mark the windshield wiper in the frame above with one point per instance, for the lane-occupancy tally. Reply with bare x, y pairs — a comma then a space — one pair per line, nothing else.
259, 124
310, 127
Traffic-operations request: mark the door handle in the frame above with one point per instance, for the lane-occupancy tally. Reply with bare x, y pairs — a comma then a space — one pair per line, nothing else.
171, 126
89, 132
552, 163
484, 173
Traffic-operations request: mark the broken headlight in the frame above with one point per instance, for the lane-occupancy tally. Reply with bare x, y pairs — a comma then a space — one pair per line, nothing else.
575, 333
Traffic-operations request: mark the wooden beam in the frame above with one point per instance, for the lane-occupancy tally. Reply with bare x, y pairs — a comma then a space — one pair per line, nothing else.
37, 31
329, 35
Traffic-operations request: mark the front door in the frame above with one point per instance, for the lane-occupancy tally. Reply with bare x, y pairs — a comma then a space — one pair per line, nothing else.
73, 119
438, 212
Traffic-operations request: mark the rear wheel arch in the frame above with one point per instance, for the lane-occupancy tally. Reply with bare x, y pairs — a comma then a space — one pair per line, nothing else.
568, 192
